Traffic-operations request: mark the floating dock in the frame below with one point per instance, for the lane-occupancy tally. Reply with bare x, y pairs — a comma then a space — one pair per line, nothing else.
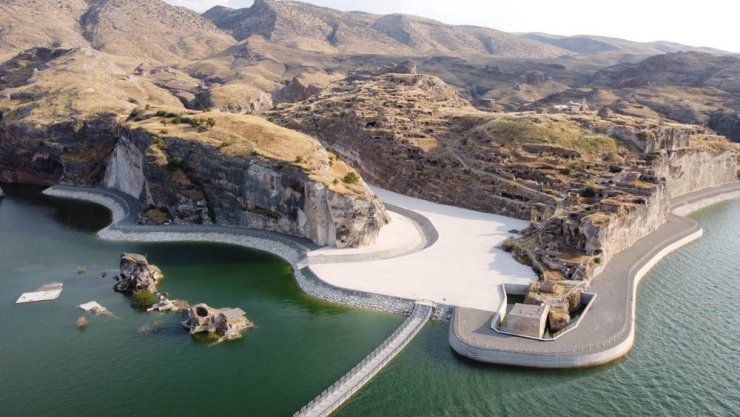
46, 292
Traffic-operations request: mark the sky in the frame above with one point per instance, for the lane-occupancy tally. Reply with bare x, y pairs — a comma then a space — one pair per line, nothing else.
707, 23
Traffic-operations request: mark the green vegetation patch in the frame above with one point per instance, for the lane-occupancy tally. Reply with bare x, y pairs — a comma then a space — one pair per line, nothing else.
143, 299
517, 131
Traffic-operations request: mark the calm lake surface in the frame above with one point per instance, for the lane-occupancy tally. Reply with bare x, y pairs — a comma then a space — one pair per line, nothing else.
686, 360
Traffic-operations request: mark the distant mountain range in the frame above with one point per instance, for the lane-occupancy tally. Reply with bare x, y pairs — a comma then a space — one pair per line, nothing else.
587, 44
247, 60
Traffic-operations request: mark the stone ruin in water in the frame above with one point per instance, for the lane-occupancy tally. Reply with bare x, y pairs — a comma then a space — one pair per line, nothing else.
227, 323
137, 274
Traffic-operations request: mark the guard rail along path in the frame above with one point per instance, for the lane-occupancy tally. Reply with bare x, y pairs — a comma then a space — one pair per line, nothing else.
333, 397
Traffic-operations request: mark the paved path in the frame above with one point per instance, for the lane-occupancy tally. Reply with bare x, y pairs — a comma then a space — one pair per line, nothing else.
333, 397
464, 267
608, 330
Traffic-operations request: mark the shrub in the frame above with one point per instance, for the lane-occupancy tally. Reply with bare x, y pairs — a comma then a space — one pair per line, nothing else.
143, 299
299, 159
589, 192
177, 119
175, 163
352, 178
211, 122
566, 171
597, 261
509, 244
159, 142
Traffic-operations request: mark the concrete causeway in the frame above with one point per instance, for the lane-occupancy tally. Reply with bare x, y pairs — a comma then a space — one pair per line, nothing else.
333, 397
607, 332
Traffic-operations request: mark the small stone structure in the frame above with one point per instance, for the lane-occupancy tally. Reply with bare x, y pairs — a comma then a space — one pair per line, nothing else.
93, 307
562, 300
228, 323
137, 274
527, 320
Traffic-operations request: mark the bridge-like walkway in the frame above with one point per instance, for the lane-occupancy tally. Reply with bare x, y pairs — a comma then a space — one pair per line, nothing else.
334, 396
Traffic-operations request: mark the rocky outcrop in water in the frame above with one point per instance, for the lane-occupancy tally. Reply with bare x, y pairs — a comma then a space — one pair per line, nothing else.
226, 323
136, 274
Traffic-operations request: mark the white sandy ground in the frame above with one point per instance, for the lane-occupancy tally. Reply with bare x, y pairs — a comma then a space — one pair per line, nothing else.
464, 268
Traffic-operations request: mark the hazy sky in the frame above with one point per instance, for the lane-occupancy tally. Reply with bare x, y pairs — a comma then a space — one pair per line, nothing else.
698, 23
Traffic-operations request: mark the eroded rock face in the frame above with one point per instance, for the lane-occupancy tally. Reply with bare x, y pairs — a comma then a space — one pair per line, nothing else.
137, 274
73, 152
208, 187
562, 300
689, 170
124, 171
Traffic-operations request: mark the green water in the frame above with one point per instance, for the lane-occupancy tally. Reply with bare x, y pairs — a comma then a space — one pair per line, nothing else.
49, 368
685, 361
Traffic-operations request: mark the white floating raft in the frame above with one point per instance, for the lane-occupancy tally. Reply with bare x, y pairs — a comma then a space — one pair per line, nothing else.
46, 292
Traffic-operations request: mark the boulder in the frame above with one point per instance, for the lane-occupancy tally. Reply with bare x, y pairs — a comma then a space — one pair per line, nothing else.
136, 274
558, 318
2, 193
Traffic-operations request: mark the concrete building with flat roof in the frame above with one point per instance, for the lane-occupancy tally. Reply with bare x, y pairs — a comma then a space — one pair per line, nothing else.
526, 320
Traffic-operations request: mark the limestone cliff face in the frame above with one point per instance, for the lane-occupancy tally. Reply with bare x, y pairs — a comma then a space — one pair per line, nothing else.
605, 226
125, 168
195, 183
603, 236
690, 170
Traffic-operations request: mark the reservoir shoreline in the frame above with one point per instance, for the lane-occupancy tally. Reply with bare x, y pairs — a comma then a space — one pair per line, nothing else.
606, 334
608, 331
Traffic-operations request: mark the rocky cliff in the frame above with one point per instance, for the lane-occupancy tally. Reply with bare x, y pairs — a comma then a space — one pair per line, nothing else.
272, 179
402, 131
628, 203
688, 170
186, 176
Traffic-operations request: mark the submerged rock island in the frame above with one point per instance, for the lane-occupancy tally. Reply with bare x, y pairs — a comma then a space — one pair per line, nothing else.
225, 323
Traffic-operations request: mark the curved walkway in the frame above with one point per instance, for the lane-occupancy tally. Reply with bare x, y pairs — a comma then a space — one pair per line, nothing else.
608, 331
333, 397
295, 251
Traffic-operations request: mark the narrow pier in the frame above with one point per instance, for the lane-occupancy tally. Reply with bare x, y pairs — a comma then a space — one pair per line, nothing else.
333, 397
